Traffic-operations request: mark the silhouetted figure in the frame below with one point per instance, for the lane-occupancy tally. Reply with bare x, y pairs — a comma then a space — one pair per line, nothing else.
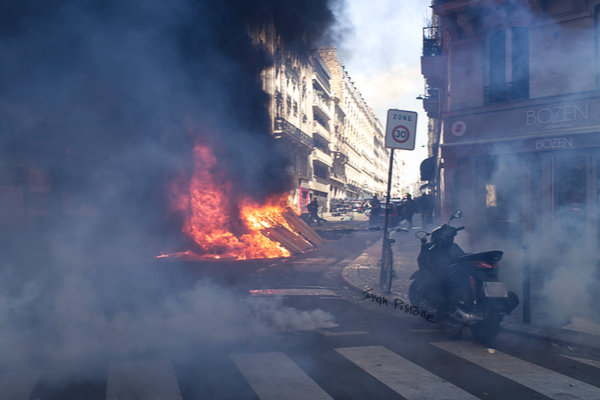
313, 208
375, 210
409, 209
427, 209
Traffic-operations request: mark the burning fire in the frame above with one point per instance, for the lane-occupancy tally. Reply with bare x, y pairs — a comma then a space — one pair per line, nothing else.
222, 230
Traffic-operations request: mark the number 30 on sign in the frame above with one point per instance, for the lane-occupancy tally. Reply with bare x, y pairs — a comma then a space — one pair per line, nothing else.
400, 129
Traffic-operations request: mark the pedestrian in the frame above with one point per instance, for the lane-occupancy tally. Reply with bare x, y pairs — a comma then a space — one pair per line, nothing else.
427, 209
375, 210
313, 208
409, 209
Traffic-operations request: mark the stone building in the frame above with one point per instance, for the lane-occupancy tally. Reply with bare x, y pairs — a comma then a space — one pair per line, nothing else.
517, 85
288, 81
513, 88
331, 135
358, 135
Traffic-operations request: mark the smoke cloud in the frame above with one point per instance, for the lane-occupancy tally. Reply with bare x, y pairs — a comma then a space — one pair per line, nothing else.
523, 205
561, 257
109, 98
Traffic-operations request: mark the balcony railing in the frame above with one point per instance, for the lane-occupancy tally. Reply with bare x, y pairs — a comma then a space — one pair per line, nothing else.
322, 156
432, 41
322, 105
321, 130
282, 127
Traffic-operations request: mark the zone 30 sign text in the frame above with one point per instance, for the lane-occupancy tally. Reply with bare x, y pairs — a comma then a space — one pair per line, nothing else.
400, 129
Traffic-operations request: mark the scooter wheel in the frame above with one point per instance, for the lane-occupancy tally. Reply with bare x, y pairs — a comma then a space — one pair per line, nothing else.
416, 298
414, 294
486, 331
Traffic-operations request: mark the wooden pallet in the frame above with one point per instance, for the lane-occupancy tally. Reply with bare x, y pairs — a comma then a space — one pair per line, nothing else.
299, 239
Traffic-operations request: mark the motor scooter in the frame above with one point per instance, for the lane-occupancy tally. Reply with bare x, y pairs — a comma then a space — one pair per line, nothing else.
460, 288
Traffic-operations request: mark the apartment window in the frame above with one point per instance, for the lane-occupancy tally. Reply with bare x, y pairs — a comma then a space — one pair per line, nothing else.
520, 62
497, 66
507, 65
320, 170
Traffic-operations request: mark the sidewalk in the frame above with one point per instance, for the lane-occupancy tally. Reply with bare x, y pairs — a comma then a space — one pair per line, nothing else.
363, 273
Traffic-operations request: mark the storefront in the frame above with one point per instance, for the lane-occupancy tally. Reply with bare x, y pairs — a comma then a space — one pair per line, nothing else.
526, 170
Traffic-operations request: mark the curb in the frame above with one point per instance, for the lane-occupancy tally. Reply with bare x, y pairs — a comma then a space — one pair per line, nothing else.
363, 273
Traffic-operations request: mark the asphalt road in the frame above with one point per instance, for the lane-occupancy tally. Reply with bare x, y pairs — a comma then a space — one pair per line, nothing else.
324, 340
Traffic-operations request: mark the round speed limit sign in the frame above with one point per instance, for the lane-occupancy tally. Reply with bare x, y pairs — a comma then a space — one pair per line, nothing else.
400, 129
400, 134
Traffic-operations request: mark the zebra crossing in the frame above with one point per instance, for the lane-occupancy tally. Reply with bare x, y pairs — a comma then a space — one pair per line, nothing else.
275, 375
401, 375
142, 380
542, 380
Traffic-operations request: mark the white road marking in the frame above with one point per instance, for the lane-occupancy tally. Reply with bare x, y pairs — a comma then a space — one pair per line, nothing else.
273, 376
18, 385
547, 382
584, 326
151, 380
292, 292
404, 377
325, 332
593, 363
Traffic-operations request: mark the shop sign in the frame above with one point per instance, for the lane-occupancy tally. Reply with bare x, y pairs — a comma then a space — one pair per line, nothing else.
459, 128
554, 143
557, 114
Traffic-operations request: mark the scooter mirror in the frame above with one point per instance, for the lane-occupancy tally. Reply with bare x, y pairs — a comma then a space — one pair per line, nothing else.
456, 215
421, 234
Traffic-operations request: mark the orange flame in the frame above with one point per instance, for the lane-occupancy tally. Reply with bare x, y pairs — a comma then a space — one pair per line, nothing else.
209, 219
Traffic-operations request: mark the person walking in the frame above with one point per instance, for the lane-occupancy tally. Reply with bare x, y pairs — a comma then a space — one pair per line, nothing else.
410, 207
375, 205
427, 209
313, 209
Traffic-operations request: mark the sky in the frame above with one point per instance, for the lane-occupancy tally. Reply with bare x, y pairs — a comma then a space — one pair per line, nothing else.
381, 50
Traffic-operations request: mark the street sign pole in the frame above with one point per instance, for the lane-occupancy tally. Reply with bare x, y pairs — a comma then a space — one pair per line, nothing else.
401, 127
382, 276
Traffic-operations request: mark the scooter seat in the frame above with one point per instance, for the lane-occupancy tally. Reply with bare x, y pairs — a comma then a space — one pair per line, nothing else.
486, 256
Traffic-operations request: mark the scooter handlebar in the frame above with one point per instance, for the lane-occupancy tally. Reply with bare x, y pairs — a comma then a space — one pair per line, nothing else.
460, 228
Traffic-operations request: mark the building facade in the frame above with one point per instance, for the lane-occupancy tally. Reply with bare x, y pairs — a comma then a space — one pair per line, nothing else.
358, 135
514, 87
327, 129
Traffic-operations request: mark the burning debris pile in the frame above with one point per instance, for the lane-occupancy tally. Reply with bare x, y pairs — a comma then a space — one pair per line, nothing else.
222, 227
103, 120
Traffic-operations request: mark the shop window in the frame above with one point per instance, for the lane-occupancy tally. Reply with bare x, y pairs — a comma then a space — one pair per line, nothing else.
538, 190
490, 195
570, 183
570, 192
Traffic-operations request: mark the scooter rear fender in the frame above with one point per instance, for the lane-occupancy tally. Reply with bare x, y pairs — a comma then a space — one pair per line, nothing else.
418, 274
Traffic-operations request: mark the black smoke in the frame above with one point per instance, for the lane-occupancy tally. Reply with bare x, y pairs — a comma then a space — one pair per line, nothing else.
108, 98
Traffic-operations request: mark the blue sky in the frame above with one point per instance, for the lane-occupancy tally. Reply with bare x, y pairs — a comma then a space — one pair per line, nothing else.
381, 51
